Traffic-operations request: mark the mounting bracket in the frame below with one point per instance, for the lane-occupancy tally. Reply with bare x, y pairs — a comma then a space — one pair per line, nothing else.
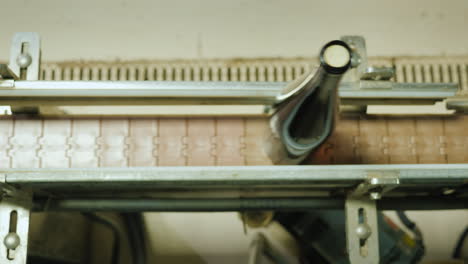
25, 55
25, 61
362, 237
15, 206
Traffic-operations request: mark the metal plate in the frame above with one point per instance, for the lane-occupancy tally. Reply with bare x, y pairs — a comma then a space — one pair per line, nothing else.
412, 178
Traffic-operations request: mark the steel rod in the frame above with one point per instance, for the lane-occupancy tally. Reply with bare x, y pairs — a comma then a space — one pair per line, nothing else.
80, 92
237, 176
240, 204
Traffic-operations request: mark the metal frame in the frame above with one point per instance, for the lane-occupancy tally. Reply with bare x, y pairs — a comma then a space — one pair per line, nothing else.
242, 188
80, 92
362, 86
357, 188
312, 181
348, 175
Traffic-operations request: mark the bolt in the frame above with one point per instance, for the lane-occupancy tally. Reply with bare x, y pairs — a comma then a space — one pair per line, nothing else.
24, 60
355, 60
11, 241
448, 191
363, 231
374, 181
375, 195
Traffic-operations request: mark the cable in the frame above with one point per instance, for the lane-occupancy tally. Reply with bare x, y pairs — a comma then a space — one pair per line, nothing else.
410, 225
115, 232
416, 231
458, 248
136, 236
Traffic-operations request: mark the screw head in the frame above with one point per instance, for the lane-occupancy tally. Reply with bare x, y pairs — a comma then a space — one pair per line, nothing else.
375, 195
24, 60
363, 231
448, 191
355, 60
11, 241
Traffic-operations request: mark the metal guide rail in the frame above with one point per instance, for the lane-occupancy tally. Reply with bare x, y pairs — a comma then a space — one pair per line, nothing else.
22, 89
75, 92
241, 182
285, 188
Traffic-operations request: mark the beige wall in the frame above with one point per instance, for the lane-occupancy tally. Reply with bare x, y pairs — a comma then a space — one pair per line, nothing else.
128, 29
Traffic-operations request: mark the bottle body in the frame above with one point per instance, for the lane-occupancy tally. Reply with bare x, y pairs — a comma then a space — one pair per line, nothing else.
304, 118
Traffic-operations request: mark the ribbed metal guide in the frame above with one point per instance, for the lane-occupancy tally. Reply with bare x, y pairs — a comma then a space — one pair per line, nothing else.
408, 69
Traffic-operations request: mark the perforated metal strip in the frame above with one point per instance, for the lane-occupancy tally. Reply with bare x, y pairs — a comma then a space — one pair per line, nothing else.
408, 69
433, 69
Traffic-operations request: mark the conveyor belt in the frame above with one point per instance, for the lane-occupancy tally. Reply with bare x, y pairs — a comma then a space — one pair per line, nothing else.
91, 143
31, 147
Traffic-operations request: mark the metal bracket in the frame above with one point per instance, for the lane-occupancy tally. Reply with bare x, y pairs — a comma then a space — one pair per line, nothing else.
365, 78
25, 55
361, 69
362, 235
15, 208
25, 61
6, 73
359, 57
377, 184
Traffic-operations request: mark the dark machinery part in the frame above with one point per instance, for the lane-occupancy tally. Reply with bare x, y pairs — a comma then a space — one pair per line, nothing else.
115, 232
417, 234
136, 236
321, 235
305, 115
457, 252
